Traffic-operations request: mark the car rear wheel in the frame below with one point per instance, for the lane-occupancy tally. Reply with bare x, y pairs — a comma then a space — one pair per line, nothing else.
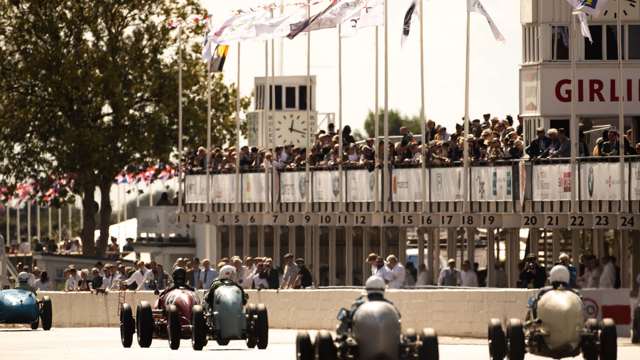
304, 347
325, 348
262, 327
635, 331
251, 327
428, 345
199, 328
589, 344
34, 325
608, 340
144, 324
174, 329
46, 313
515, 340
497, 341
127, 325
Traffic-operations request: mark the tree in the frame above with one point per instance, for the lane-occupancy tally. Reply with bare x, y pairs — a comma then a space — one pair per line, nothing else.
88, 87
396, 121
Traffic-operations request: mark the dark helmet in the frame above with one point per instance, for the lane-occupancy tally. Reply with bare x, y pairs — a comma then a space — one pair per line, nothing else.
179, 276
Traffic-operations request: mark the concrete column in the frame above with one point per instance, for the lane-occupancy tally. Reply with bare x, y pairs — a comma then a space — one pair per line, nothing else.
491, 258
366, 244
316, 255
308, 243
623, 260
277, 233
246, 241
434, 255
451, 243
260, 236
292, 240
557, 239
348, 238
232, 241
332, 255
576, 248
598, 243
421, 233
534, 242
402, 245
512, 250
471, 245
383, 241
217, 245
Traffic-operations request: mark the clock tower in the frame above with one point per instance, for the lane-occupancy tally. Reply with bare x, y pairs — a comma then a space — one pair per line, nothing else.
285, 107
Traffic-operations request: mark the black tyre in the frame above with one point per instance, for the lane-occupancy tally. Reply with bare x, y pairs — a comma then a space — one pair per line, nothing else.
250, 312
46, 313
428, 345
199, 328
174, 329
144, 324
411, 335
589, 346
325, 348
127, 325
497, 341
608, 340
262, 327
222, 342
515, 340
34, 325
635, 330
304, 347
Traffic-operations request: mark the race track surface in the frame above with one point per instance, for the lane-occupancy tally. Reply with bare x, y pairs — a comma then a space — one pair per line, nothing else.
104, 344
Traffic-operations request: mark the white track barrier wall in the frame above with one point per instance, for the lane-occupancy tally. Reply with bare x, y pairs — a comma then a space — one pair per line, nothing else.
450, 312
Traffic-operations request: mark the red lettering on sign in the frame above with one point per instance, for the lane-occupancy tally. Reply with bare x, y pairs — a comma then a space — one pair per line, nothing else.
629, 90
581, 90
563, 96
595, 89
614, 91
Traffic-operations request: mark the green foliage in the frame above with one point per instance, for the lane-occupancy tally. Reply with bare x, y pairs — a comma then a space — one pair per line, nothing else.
88, 87
396, 121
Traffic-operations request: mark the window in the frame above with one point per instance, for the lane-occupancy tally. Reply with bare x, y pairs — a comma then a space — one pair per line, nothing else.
290, 97
278, 97
634, 38
612, 42
302, 96
560, 45
594, 51
260, 97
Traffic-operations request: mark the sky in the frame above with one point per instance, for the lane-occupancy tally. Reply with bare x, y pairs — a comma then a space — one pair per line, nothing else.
493, 71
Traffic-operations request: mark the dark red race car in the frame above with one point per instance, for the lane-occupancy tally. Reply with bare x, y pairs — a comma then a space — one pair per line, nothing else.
169, 318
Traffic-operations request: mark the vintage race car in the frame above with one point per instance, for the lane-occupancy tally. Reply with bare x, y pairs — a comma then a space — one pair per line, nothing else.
555, 328
224, 317
18, 306
372, 332
169, 318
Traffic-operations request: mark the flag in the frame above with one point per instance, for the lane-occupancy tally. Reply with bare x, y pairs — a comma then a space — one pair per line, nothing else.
584, 7
476, 6
279, 27
369, 14
219, 58
206, 46
408, 17
240, 27
302, 26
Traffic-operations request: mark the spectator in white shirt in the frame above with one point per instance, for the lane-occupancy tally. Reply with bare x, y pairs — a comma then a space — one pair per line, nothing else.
291, 271
43, 283
449, 276
260, 278
140, 276
381, 270
468, 277
207, 275
397, 272
107, 279
71, 284
371, 260
608, 276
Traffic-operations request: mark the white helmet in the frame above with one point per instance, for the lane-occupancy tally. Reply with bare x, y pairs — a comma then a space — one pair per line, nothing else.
559, 274
227, 272
375, 285
23, 278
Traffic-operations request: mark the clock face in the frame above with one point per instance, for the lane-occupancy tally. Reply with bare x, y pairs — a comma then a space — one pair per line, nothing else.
290, 128
627, 7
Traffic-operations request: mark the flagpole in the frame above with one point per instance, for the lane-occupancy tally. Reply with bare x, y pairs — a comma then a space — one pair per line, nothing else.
307, 170
238, 192
376, 121
180, 159
271, 97
50, 223
208, 162
8, 224
38, 222
385, 169
622, 98
266, 98
29, 221
341, 139
466, 114
422, 110
572, 125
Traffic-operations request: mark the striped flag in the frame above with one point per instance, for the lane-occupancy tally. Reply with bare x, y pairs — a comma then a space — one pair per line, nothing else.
584, 7
476, 6
408, 18
302, 26
219, 58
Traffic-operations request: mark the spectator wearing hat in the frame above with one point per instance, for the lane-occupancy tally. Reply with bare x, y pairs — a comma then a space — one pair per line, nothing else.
303, 279
449, 276
565, 261
396, 272
291, 271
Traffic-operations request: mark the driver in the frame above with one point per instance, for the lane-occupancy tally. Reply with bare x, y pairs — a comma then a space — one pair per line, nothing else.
559, 277
226, 276
179, 276
374, 287
23, 282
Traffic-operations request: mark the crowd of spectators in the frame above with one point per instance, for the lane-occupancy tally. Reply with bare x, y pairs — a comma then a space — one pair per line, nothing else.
490, 140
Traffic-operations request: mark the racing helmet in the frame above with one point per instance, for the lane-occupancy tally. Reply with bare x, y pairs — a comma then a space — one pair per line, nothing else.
375, 285
23, 278
227, 272
559, 274
179, 276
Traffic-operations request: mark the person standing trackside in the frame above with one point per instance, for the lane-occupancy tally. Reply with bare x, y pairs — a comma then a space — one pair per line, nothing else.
207, 275
193, 275
396, 272
449, 276
468, 277
139, 276
371, 260
290, 272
